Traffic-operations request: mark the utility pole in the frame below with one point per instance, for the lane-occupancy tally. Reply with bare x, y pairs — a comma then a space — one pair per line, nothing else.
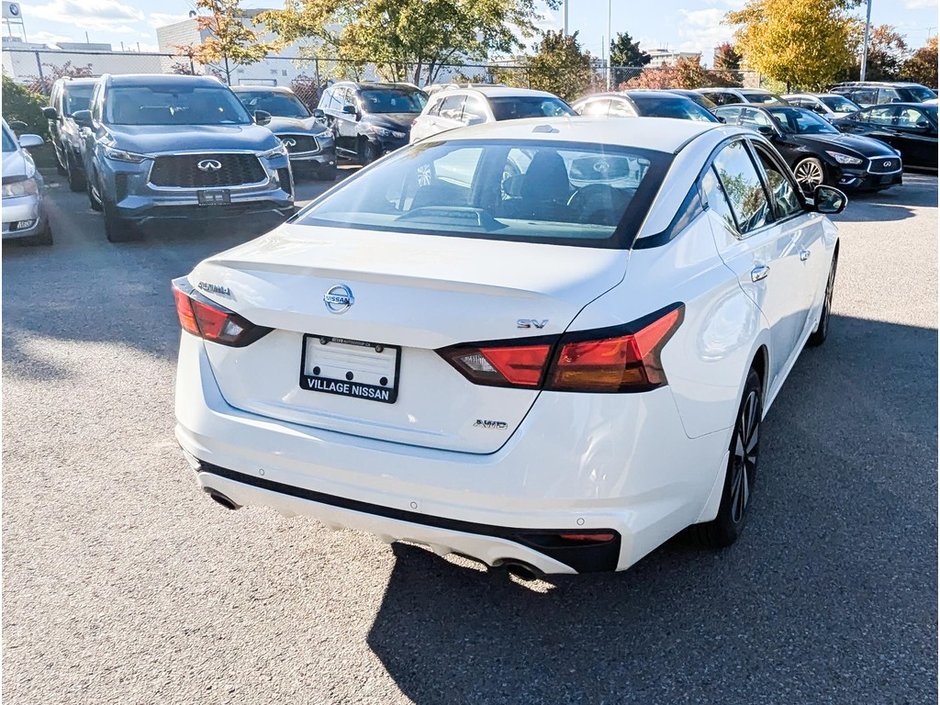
865, 43
610, 39
564, 16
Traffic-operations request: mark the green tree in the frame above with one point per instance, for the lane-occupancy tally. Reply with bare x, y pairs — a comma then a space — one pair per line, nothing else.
231, 42
922, 66
805, 43
624, 52
560, 66
887, 52
21, 103
405, 39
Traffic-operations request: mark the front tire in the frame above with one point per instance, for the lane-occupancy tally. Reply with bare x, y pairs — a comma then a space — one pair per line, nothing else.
809, 173
75, 177
368, 152
94, 193
741, 474
118, 229
818, 336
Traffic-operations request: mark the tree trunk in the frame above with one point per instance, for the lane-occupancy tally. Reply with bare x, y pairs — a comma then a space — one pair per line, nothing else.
228, 73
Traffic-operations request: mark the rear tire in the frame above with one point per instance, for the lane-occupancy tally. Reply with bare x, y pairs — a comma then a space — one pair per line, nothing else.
818, 336
741, 473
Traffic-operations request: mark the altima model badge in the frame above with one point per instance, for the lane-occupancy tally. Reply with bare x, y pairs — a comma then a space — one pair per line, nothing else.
338, 299
215, 289
209, 165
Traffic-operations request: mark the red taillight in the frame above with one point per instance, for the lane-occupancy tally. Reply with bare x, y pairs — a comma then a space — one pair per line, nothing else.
621, 359
206, 319
501, 366
621, 363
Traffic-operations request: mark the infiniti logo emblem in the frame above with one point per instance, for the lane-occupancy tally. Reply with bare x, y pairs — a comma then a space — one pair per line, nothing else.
887, 163
209, 165
289, 142
338, 299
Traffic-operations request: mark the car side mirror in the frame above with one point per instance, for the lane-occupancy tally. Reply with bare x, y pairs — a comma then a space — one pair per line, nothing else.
829, 200
767, 130
27, 141
50, 113
18, 126
319, 114
350, 110
922, 125
262, 117
82, 118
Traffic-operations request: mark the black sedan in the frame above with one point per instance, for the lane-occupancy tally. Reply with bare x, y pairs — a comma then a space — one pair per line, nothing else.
816, 151
642, 104
911, 128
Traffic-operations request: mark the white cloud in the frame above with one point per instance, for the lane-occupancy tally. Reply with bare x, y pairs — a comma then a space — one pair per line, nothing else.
161, 19
702, 31
919, 4
103, 15
48, 37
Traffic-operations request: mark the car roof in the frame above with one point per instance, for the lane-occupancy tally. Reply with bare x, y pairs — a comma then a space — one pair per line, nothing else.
863, 84
657, 134
162, 80
812, 95
84, 80
270, 89
373, 85
497, 92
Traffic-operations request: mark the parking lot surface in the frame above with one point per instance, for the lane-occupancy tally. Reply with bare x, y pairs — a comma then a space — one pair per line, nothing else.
124, 584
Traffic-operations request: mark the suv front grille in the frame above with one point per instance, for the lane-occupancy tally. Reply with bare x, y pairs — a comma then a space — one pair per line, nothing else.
884, 165
301, 143
182, 170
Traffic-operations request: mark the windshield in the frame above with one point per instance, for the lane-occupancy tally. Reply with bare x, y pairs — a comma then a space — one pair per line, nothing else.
392, 100
514, 107
762, 97
916, 94
654, 106
278, 104
77, 97
9, 144
839, 104
177, 105
801, 121
551, 192
698, 99
931, 110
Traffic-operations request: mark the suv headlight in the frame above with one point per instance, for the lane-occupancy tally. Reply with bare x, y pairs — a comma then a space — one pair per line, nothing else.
122, 155
385, 132
279, 151
23, 187
843, 158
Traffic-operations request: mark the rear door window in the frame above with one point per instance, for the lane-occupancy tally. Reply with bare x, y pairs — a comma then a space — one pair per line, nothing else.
908, 118
783, 189
596, 108
742, 184
474, 110
880, 116
621, 108
452, 107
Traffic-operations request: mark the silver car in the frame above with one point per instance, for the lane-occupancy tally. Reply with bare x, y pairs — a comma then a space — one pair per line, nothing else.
24, 215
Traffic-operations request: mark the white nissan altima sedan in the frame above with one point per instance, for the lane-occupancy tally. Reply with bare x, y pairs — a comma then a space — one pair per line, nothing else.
544, 344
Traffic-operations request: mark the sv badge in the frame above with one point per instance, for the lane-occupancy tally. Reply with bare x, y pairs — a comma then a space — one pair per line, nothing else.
531, 323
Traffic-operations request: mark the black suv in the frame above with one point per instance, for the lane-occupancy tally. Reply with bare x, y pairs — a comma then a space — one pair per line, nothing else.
880, 92
370, 119
68, 96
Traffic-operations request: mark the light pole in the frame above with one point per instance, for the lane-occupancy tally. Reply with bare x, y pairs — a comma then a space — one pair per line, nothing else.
564, 16
610, 40
865, 43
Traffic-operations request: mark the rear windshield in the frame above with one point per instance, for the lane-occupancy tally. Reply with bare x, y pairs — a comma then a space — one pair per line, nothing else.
568, 193
680, 108
77, 97
762, 97
179, 105
278, 104
916, 94
512, 108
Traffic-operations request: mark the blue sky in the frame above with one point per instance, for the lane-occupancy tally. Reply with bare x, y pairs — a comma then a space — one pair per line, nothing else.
688, 25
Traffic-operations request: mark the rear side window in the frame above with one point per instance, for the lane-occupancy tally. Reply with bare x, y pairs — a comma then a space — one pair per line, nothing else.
474, 111
880, 116
550, 192
452, 107
621, 108
596, 108
516, 107
716, 200
741, 183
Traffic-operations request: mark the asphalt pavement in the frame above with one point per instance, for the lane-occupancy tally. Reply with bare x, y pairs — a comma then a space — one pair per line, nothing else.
122, 583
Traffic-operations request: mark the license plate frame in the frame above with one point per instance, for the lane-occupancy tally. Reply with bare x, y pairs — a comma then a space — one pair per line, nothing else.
214, 197
352, 389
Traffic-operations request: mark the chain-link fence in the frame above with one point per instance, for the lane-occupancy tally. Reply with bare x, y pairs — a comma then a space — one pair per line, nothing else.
308, 76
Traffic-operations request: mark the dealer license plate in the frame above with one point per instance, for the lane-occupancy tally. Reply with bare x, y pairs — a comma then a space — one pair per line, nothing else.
350, 368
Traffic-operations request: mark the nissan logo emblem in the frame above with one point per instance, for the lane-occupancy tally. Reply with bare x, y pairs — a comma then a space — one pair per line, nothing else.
209, 165
289, 142
338, 299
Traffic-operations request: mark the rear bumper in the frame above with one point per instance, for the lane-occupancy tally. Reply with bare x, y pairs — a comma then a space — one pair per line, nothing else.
634, 473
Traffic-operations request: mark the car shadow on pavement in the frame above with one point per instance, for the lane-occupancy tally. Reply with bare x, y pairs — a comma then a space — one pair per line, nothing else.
895, 203
830, 596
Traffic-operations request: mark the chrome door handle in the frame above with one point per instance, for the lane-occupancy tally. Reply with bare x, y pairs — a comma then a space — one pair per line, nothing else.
804, 255
759, 272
